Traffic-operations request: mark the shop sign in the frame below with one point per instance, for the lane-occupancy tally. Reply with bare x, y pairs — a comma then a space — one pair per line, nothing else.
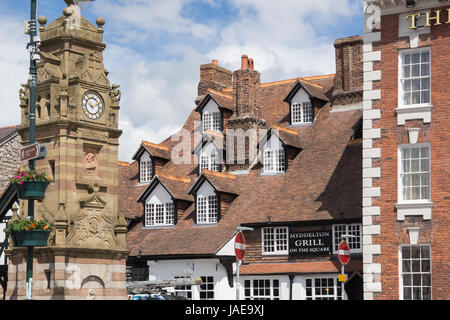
433, 18
310, 242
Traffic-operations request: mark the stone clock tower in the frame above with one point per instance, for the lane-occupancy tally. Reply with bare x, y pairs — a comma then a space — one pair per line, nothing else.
77, 119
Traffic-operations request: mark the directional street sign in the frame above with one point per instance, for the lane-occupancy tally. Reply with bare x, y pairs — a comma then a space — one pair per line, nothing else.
29, 152
239, 245
344, 252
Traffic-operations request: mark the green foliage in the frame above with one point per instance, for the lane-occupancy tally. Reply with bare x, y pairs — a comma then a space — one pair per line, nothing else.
27, 225
24, 176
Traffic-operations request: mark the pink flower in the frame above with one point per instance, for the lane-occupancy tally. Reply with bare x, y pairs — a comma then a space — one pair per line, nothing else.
21, 182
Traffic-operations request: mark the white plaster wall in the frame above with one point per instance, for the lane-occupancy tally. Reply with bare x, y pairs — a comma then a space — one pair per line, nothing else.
159, 196
196, 268
206, 190
300, 96
211, 107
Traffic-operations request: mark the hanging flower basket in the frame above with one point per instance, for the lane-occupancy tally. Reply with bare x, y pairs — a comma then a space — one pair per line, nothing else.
31, 185
27, 233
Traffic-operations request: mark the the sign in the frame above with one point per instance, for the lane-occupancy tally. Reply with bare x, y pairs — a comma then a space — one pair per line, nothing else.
29, 152
239, 245
433, 17
344, 252
310, 242
342, 277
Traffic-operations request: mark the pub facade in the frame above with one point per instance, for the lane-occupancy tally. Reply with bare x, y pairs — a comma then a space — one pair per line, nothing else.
294, 181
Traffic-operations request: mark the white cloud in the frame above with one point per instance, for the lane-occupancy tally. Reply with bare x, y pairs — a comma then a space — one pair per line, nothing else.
14, 64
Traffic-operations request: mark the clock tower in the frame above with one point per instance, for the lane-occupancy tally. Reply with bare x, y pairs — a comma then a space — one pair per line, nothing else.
77, 112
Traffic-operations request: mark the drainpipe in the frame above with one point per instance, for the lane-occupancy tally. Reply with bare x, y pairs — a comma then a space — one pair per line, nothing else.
291, 281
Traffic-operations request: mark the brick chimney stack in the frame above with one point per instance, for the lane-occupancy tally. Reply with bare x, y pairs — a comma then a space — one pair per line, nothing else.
247, 117
246, 89
213, 76
348, 82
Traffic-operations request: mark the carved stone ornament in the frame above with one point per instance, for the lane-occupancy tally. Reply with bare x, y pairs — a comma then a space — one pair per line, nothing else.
93, 229
24, 94
115, 93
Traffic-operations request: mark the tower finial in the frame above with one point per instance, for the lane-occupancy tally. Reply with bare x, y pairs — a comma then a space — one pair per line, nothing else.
69, 2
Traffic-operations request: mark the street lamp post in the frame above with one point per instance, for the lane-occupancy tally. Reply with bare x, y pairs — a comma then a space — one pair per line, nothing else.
34, 56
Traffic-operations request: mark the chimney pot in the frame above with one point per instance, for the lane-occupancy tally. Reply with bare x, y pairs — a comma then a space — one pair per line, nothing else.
244, 62
215, 62
250, 64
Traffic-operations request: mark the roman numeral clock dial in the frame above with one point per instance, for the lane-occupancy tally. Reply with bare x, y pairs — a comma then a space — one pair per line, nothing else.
93, 106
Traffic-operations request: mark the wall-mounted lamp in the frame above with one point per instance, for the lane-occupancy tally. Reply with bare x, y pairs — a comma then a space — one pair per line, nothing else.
410, 3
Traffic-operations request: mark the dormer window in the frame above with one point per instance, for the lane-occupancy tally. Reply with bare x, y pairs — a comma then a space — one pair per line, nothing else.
273, 155
301, 98
302, 112
207, 208
212, 121
274, 161
145, 168
159, 208
209, 160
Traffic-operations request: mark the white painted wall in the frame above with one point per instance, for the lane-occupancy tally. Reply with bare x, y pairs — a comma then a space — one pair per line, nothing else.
159, 196
195, 268
300, 96
211, 107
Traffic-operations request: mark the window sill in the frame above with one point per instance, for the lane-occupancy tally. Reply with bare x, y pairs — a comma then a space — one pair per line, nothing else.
273, 173
159, 227
214, 224
422, 208
415, 111
271, 254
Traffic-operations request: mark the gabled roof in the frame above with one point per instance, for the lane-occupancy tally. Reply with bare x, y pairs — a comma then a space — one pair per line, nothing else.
220, 181
176, 186
154, 150
287, 137
223, 100
312, 89
207, 138
7, 133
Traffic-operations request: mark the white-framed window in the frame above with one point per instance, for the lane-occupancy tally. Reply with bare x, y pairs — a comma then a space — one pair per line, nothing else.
145, 168
414, 171
302, 112
212, 121
274, 161
414, 77
159, 214
262, 289
354, 243
275, 240
183, 290
323, 288
207, 288
210, 160
415, 272
207, 209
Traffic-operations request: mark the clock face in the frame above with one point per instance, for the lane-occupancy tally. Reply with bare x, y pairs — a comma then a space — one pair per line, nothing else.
92, 105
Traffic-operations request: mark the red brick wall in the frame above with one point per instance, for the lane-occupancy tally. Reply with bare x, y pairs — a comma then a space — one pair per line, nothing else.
437, 133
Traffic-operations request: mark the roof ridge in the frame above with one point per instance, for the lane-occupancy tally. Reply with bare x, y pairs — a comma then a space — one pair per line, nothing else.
219, 174
173, 177
291, 131
155, 145
123, 163
221, 94
310, 83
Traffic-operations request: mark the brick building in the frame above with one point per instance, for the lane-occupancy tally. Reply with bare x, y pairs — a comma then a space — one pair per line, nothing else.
405, 149
295, 179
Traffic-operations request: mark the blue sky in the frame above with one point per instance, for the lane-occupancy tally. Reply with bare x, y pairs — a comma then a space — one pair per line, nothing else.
155, 48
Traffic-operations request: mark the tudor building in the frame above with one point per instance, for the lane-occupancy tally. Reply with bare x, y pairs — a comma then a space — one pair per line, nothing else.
295, 178
405, 149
